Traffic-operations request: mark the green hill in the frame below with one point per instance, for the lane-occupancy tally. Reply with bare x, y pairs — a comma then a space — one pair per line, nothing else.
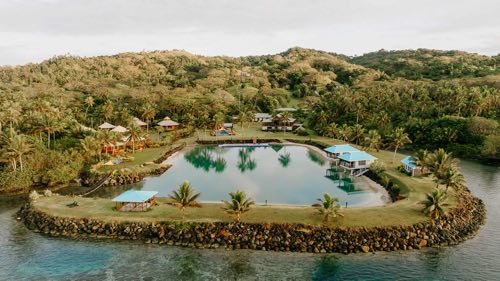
429, 64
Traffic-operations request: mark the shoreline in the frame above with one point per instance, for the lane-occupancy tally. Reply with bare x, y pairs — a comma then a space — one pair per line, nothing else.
459, 224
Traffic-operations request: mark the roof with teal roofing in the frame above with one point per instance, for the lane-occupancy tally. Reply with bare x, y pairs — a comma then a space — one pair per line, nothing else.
408, 161
356, 156
340, 148
136, 196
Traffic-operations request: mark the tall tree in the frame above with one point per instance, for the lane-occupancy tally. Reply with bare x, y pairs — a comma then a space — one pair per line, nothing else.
399, 138
373, 140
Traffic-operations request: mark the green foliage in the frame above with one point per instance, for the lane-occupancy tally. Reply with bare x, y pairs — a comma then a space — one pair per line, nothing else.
185, 196
239, 204
329, 207
377, 168
434, 203
430, 64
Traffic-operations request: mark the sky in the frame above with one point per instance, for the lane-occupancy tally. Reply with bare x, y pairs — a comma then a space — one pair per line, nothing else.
35, 30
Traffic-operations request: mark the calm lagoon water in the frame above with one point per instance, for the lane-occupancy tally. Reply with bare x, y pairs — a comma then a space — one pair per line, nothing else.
25, 255
277, 174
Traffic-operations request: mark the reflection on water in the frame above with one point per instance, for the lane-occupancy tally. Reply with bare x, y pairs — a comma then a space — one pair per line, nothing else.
279, 174
245, 162
315, 157
206, 158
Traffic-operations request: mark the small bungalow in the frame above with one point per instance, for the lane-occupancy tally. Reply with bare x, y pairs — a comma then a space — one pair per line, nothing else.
140, 123
168, 124
336, 150
106, 126
412, 168
135, 200
260, 117
356, 162
279, 124
120, 130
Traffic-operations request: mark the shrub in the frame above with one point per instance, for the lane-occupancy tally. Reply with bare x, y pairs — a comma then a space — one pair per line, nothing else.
34, 196
377, 168
302, 132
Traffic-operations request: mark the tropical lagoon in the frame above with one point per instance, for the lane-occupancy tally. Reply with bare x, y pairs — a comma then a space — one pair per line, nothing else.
31, 256
276, 174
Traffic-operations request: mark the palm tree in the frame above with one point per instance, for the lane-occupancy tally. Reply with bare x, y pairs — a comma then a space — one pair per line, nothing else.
345, 132
239, 204
185, 196
330, 207
385, 180
14, 147
135, 134
420, 158
89, 102
90, 145
357, 132
284, 119
452, 178
148, 113
399, 138
439, 163
107, 110
434, 203
373, 140
332, 130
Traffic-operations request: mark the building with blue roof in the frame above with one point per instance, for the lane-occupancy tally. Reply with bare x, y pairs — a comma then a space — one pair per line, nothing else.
336, 150
356, 162
412, 168
135, 200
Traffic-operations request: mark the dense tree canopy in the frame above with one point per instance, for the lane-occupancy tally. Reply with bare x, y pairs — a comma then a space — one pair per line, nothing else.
430, 64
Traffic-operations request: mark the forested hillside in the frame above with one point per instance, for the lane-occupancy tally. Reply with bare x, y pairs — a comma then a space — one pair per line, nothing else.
43, 106
429, 64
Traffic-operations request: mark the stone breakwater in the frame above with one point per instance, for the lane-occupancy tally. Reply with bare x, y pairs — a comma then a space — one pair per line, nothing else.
461, 223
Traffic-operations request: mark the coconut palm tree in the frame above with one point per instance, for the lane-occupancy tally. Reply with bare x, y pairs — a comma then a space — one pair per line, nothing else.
434, 203
399, 138
373, 140
330, 207
284, 119
452, 178
239, 204
89, 102
357, 132
345, 132
385, 180
420, 158
148, 113
14, 148
135, 134
332, 130
185, 196
90, 145
439, 164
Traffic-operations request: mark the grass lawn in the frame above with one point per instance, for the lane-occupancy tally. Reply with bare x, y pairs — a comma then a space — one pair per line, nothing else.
400, 213
403, 212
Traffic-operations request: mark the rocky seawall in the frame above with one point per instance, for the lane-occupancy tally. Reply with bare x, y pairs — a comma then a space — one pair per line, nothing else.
459, 224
